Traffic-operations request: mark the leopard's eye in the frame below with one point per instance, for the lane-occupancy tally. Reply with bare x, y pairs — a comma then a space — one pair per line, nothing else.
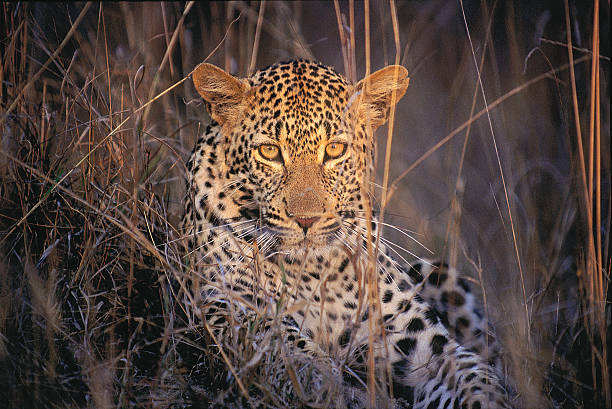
334, 150
268, 151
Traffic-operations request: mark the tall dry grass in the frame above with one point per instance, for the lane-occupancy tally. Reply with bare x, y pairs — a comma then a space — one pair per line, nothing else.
498, 160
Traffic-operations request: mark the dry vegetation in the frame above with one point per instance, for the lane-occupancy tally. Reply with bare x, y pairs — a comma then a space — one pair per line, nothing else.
500, 163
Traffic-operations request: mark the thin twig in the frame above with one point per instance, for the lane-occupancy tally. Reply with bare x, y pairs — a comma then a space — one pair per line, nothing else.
260, 17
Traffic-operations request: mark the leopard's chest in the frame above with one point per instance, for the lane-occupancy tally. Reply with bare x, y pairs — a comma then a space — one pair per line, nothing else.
333, 307
325, 303
325, 296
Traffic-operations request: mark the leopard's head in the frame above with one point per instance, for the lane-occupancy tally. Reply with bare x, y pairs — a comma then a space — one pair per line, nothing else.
297, 138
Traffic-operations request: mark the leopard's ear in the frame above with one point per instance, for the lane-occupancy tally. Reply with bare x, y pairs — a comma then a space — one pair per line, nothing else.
224, 93
376, 93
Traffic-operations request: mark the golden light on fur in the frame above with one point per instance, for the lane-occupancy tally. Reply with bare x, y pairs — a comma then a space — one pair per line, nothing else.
224, 92
379, 91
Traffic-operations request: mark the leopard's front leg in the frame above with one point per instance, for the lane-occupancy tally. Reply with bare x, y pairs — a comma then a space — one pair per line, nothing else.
443, 374
423, 355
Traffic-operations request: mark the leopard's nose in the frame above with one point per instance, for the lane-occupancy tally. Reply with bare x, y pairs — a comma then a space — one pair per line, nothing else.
306, 222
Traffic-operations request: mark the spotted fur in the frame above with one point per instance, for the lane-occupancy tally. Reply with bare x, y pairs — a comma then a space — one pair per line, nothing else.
301, 218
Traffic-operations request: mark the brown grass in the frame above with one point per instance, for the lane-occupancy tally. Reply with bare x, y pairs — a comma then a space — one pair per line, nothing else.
98, 116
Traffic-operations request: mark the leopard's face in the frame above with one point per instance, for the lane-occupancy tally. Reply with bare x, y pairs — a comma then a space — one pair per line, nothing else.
304, 158
299, 145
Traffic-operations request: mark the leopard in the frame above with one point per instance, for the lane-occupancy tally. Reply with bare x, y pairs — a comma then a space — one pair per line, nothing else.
280, 207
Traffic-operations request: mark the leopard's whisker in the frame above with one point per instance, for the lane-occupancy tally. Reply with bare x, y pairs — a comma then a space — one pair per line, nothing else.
235, 189
346, 243
359, 214
362, 246
381, 252
390, 246
226, 232
270, 241
233, 182
213, 227
264, 241
247, 231
398, 230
